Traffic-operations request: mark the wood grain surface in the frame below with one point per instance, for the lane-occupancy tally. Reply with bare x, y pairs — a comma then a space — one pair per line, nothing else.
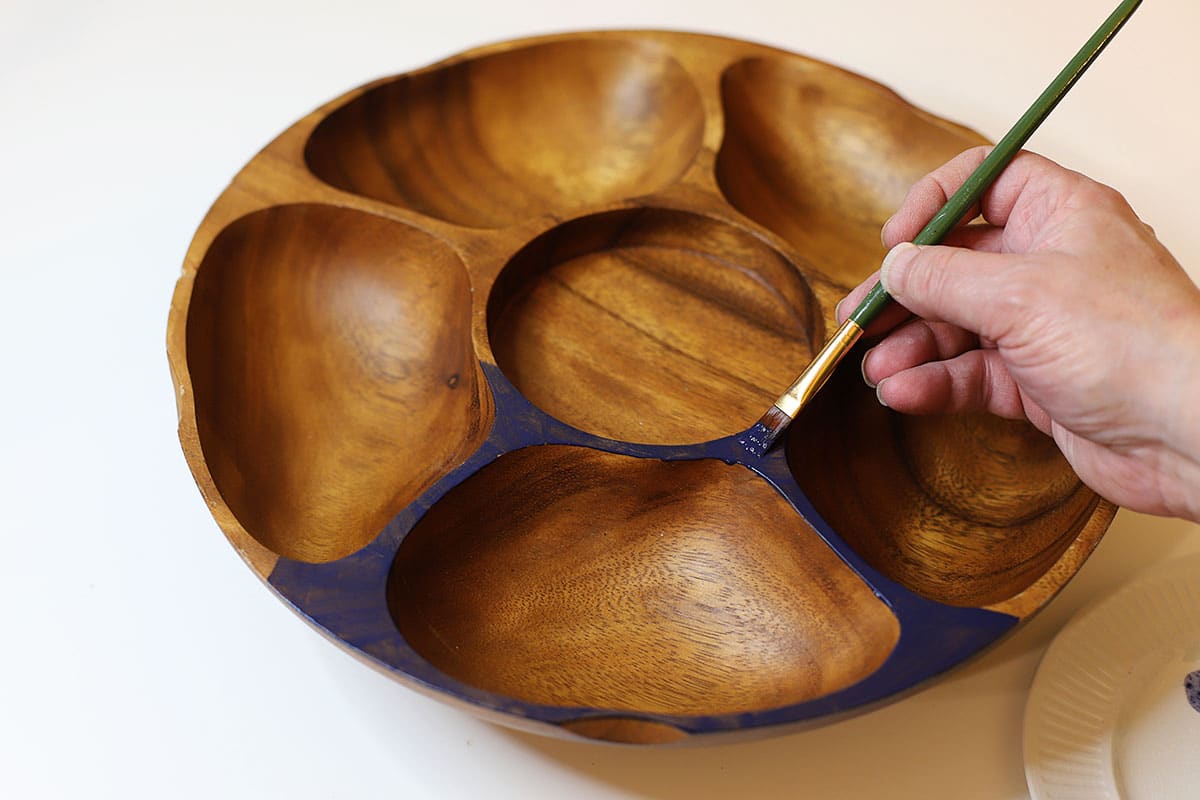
494, 140
967, 509
646, 232
333, 373
823, 157
649, 325
574, 577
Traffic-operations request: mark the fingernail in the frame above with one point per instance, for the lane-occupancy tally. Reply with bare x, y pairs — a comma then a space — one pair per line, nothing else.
879, 393
837, 311
883, 230
900, 255
863, 368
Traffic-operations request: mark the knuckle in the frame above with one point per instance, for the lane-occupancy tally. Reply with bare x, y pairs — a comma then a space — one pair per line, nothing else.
924, 193
1110, 198
1099, 197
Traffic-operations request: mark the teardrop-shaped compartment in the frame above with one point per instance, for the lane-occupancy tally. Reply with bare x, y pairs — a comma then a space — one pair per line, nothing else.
967, 510
573, 577
499, 138
823, 157
334, 376
651, 325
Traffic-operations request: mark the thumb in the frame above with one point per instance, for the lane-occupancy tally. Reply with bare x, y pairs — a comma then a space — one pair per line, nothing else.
968, 288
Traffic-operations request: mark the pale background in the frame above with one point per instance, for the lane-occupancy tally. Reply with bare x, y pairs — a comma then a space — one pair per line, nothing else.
142, 659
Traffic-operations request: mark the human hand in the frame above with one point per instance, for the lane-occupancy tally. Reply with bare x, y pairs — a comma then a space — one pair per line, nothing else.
1062, 307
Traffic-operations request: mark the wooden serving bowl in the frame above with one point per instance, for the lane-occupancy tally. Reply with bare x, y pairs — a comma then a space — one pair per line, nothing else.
461, 360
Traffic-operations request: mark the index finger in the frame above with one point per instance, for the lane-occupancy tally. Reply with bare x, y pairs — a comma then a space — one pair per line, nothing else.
926, 197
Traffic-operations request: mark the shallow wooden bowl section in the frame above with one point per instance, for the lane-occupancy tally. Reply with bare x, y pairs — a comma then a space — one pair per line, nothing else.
697, 569
462, 358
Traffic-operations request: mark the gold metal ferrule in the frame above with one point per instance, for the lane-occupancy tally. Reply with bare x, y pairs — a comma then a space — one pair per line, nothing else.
817, 372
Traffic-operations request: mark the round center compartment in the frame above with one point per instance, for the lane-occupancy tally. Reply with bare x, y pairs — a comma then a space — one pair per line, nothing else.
573, 577
652, 325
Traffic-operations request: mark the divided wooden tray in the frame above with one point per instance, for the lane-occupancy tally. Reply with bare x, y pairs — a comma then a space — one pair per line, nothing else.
461, 358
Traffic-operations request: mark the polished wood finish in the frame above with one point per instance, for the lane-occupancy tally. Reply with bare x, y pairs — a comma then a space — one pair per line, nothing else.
968, 510
572, 577
667, 313
823, 157
493, 140
646, 234
333, 373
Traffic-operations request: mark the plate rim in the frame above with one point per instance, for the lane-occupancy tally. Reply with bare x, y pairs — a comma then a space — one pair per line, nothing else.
1151, 584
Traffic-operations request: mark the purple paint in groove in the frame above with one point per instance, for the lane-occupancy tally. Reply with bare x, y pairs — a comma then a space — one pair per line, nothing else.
1191, 685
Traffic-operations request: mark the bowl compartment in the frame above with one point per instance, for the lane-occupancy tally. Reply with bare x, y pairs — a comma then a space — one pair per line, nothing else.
333, 371
495, 139
823, 157
572, 577
967, 510
651, 325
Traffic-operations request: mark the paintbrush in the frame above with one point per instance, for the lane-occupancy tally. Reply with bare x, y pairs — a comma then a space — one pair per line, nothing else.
759, 439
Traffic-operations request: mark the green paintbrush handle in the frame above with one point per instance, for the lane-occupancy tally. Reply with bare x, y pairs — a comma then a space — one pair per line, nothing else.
969, 193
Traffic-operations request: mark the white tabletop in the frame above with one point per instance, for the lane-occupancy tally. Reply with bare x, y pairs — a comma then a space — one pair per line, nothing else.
142, 659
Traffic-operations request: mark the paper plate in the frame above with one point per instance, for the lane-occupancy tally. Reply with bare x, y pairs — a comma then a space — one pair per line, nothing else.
1114, 711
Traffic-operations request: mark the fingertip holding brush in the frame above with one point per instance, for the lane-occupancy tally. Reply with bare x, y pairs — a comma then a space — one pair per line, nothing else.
762, 436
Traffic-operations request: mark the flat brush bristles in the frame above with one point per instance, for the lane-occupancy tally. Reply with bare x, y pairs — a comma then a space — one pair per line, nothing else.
760, 438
